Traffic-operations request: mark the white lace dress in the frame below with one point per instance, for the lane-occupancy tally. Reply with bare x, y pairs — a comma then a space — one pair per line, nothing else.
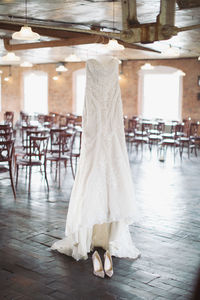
102, 203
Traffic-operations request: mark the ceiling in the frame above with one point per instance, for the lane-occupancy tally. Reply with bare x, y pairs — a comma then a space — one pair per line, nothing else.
65, 19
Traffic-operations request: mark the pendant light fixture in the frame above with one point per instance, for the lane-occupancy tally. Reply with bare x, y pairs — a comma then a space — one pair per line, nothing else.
147, 66
61, 68
26, 64
113, 44
26, 33
10, 57
7, 78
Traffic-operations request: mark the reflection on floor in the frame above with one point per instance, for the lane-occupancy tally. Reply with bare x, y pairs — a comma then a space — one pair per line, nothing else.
167, 233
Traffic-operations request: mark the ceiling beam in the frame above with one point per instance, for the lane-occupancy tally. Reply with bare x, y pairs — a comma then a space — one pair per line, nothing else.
69, 42
129, 13
184, 4
167, 12
54, 43
63, 33
42, 30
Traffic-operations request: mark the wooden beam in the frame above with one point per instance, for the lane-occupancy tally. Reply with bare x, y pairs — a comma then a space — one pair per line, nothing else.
51, 32
56, 43
72, 38
167, 12
69, 42
129, 13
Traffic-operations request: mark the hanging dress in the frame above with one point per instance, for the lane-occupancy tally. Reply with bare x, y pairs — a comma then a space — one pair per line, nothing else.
102, 202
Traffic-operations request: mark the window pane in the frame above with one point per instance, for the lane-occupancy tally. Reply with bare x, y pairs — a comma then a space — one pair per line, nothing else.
80, 81
161, 96
36, 92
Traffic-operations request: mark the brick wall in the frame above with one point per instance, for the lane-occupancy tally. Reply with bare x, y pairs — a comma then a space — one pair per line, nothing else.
61, 91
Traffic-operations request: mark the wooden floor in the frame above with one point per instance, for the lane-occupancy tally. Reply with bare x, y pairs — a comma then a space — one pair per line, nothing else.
167, 233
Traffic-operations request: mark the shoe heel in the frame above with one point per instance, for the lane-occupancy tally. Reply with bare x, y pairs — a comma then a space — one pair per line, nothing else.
108, 264
97, 265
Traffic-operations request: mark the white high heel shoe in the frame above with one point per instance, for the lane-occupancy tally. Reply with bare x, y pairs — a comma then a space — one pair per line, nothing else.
108, 265
97, 265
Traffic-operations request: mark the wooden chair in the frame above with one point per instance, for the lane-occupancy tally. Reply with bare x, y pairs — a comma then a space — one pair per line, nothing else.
155, 134
75, 150
35, 156
60, 143
24, 118
5, 128
6, 156
194, 137
9, 118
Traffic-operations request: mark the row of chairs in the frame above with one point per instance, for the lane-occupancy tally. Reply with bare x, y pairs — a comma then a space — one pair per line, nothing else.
38, 147
176, 135
52, 119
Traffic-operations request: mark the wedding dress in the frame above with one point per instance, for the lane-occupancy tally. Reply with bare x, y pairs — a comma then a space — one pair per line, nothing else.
102, 202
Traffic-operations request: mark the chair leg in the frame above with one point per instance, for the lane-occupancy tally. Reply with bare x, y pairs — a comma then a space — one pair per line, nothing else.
17, 176
45, 174
71, 163
29, 184
59, 167
76, 165
11, 179
56, 170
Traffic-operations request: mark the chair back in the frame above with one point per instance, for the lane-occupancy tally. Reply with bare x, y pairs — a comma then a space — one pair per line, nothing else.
5, 128
76, 142
60, 141
6, 136
62, 121
25, 136
132, 125
178, 130
37, 147
9, 117
6, 150
24, 118
194, 129
55, 139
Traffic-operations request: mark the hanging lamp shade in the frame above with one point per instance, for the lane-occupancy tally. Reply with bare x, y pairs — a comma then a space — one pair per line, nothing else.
61, 68
113, 45
147, 66
26, 64
72, 58
10, 57
25, 34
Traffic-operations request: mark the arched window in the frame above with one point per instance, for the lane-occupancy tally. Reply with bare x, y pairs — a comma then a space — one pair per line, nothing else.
36, 92
79, 82
160, 93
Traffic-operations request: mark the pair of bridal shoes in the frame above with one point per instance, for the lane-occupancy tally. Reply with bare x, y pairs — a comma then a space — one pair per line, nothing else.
98, 269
